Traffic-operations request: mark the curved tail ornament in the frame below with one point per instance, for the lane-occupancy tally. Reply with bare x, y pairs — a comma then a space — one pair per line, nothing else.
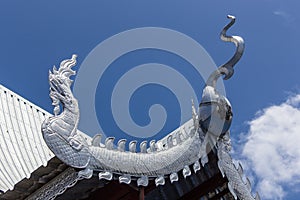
215, 110
227, 68
215, 120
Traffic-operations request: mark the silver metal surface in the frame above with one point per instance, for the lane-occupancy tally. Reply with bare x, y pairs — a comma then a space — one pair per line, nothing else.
143, 181
173, 177
177, 151
125, 179
160, 180
196, 166
105, 175
186, 171
238, 187
227, 68
60, 133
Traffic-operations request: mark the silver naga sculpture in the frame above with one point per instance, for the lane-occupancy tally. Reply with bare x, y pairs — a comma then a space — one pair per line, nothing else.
185, 147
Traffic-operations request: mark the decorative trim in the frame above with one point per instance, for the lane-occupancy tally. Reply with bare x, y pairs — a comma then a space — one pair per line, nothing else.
237, 186
57, 186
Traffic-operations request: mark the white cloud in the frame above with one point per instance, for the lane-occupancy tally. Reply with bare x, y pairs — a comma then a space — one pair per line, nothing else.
288, 18
272, 148
281, 13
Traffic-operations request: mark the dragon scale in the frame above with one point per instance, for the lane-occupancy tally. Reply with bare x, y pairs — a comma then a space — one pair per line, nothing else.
184, 147
60, 134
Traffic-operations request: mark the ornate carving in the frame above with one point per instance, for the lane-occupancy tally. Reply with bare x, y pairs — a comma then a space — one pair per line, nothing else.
236, 185
182, 148
60, 134
57, 186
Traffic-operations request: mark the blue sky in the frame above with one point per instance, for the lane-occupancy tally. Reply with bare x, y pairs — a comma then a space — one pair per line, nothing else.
36, 35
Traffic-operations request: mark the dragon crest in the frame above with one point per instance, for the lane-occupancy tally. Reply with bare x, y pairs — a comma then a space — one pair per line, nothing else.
181, 149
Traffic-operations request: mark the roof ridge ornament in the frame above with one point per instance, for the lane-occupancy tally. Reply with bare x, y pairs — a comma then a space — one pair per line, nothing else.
184, 147
227, 68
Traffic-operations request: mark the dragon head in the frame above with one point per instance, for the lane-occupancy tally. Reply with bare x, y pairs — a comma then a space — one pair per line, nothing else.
60, 84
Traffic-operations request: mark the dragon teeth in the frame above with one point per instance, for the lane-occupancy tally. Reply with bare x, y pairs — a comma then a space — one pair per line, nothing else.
159, 181
170, 141
143, 147
109, 143
121, 144
132, 146
204, 160
143, 181
125, 179
173, 177
105, 175
178, 137
85, 174
186, 171
96, 140
196, 166
184, 134
240, 169
152, 146
248, 183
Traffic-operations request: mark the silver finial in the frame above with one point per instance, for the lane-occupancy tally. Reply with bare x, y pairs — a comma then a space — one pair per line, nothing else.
227, 68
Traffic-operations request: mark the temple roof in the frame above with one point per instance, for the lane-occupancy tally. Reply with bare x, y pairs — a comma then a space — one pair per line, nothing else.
28, 168
22, 147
